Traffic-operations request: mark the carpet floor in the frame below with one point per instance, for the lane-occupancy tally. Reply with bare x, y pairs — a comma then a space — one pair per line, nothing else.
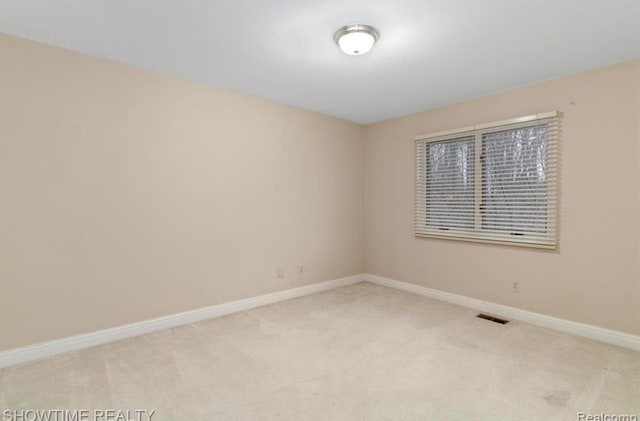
362, 352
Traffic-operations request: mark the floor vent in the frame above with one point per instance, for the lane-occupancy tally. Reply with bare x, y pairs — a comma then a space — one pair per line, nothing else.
492, 319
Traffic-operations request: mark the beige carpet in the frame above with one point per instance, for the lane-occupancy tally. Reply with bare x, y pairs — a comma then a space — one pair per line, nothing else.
362, 352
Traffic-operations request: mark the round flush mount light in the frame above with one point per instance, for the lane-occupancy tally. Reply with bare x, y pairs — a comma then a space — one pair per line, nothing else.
356, 39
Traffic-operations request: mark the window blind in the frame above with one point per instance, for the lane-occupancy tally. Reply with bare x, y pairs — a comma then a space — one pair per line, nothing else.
449, 180
493, 183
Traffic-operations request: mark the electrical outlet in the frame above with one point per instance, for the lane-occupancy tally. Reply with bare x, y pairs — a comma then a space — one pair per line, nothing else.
515, 287
300, 270
280, 272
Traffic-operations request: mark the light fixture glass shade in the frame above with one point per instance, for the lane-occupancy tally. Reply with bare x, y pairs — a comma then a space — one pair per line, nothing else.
356, 39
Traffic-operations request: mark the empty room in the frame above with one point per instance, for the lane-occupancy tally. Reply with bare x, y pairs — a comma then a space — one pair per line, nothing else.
289, 210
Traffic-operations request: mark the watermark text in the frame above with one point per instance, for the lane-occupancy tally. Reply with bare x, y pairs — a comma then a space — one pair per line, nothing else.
583, 416
78, 415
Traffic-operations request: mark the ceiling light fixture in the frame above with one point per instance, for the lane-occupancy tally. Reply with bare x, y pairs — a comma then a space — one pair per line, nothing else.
356, 39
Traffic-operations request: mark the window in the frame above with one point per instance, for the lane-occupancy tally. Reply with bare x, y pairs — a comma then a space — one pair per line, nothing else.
491, 183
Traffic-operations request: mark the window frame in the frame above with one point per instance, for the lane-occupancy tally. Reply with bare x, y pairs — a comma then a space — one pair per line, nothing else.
477, 234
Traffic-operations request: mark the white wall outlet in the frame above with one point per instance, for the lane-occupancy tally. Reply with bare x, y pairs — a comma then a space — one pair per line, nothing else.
300, 270
280, 272
515, 287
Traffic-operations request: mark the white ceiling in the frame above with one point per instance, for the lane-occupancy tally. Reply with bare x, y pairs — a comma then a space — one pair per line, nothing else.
431, 52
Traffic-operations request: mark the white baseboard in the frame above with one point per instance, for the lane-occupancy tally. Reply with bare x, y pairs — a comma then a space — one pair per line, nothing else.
50, 348
613, 337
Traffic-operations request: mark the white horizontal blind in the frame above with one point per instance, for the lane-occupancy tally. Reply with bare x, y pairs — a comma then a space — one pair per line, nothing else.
448, 195
497, 183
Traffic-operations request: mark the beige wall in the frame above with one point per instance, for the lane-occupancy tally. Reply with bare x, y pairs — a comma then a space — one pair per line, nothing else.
127, 194
594, 276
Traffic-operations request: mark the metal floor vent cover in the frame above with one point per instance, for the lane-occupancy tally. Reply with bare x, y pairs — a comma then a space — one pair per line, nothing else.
492, 319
